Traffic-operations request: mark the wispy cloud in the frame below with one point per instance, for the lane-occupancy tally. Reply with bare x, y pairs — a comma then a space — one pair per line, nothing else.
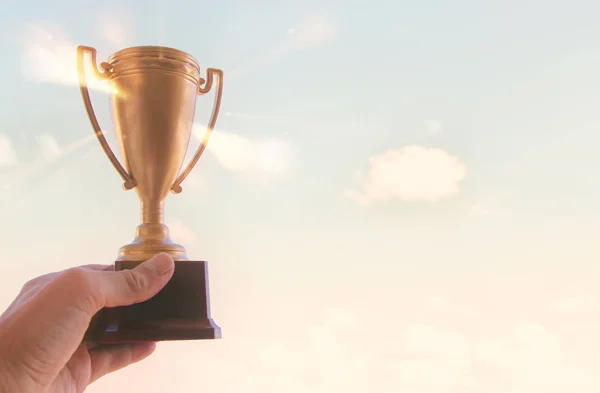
425, 359
15, 181
480, 210
8, 156
438, 303
255, 117
49, 152
432, 126
117, 29
263, 160
48, 56
413, 173
314, 30
49, 148
182, 234
319, 360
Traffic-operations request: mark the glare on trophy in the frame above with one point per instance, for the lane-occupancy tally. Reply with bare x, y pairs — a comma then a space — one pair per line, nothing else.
153, 101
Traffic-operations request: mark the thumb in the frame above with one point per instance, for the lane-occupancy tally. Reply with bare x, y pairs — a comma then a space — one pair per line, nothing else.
127, 287
47, 331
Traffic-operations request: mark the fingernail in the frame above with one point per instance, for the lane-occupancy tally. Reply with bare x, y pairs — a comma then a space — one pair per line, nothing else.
161, 264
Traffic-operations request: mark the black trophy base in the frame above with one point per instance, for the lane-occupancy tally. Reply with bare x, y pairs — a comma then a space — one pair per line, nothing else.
180, 311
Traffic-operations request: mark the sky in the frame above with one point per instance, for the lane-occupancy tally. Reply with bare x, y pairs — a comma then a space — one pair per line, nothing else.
398, 196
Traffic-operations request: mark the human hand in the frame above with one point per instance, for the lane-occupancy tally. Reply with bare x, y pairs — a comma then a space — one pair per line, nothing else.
42, 346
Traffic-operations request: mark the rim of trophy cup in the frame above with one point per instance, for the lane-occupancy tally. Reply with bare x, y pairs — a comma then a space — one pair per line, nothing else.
163, 52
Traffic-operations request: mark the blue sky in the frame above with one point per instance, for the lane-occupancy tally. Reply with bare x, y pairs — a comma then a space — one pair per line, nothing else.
381, 145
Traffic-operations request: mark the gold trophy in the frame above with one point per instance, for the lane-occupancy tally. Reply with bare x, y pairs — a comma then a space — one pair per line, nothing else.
153, 100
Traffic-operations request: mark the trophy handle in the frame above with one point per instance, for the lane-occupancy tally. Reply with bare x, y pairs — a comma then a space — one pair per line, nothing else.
203, 88
107, 71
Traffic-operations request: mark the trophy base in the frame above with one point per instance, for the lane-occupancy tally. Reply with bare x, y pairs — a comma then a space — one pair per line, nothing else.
180, 311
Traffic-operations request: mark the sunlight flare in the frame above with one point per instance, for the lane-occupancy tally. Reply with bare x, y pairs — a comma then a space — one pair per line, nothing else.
50, 57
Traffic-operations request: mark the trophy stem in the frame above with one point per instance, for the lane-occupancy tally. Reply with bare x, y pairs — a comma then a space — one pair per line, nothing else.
151, 236
152, 212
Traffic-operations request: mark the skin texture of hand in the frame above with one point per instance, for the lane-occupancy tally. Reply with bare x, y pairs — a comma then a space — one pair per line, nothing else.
42, 346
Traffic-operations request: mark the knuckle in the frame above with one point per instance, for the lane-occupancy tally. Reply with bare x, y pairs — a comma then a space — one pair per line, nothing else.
78, 278
77, 281
30, 284
29, 287
36, 283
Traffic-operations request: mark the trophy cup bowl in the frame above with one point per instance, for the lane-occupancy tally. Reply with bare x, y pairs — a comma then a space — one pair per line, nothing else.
153, 100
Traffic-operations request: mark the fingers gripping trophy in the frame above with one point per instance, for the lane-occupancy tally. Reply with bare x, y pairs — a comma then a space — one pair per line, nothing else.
153, 101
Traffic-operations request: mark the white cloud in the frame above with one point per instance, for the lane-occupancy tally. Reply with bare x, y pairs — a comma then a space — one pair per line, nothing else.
8, 156
432, 126
182, 234
578, 303
48, 56
426, 376
427, 340
413, 173
421, 358
197, 181
530, 358
263, 160
525, 358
